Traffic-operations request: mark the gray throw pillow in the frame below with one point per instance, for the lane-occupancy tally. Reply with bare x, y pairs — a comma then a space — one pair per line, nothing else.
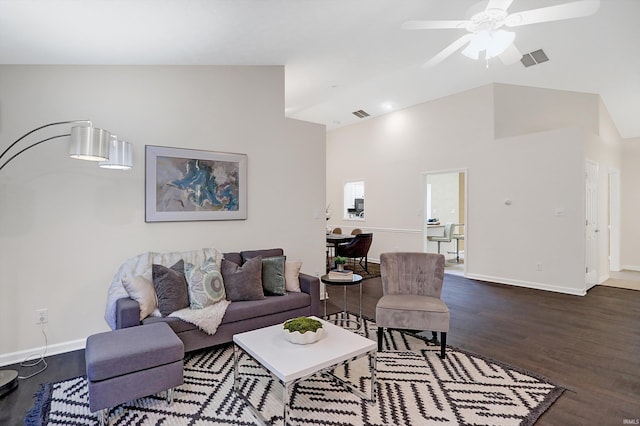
243, 282
273, 281
171, 287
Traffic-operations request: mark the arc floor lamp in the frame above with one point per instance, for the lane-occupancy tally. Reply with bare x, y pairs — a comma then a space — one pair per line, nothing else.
86, 143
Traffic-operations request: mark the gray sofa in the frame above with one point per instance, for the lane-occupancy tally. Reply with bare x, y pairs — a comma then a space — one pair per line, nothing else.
240, 316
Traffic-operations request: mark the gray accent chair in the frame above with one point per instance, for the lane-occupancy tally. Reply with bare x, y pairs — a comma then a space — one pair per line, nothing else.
411, 287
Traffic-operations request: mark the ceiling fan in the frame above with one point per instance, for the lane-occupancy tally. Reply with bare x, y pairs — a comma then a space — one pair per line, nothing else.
486, 33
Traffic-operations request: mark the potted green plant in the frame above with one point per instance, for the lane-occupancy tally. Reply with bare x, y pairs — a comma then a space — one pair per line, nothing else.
303, 330
340, 262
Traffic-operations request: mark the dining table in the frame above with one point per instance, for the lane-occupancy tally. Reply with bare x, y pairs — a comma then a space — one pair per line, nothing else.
337, 239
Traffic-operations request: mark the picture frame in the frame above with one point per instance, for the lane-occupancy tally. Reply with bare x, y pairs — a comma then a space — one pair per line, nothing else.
190, 185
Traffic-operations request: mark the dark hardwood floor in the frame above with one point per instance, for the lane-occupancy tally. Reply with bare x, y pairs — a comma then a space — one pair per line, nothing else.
589, 345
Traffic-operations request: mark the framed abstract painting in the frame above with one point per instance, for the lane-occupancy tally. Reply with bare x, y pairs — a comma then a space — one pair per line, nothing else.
188, 185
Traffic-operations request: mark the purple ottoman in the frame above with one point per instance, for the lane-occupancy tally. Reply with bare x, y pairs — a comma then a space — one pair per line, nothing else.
130, 363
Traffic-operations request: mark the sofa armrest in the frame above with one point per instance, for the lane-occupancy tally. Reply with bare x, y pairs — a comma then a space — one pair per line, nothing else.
311, 285
127, 313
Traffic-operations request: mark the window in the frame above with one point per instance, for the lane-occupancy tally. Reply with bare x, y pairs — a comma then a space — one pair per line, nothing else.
354, 200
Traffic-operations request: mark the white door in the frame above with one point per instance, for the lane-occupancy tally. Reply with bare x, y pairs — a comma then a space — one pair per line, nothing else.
591, 233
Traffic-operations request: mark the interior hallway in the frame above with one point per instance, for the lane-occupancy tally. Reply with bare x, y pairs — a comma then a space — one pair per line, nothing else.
623, 279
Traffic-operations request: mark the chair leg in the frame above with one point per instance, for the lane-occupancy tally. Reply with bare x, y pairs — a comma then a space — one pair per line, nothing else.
443, 344
379, 339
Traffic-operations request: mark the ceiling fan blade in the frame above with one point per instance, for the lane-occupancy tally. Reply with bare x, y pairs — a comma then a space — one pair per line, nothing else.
511, 55
432, 25
448, 51
575, 9
499, 4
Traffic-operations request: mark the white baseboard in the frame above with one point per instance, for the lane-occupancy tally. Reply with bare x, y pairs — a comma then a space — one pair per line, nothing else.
58, 348
603, 278
528, 284
631, 267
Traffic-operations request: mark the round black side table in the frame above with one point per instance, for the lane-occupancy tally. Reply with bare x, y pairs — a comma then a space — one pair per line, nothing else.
356, 280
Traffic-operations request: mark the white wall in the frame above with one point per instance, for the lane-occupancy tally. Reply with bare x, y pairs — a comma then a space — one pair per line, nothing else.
630, 177
520, 110
537, 162
392, 152
66, 225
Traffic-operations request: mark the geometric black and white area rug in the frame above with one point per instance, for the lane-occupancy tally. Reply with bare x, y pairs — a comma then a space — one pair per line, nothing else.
414, 387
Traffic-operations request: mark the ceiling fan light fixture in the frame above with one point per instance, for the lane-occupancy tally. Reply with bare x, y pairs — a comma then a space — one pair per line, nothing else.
493, 43
477, 44
500, 40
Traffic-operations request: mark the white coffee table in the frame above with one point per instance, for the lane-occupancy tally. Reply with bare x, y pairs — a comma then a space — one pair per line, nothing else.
290, 363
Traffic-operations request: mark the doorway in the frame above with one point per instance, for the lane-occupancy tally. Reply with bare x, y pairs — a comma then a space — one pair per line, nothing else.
445, 202
591, 229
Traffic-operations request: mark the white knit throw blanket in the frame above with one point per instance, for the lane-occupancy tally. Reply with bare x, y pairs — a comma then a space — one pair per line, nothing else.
207, 319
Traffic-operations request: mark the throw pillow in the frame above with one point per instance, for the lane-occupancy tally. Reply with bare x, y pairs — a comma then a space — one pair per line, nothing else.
171, 287
243, 282
141, 290
273, 281
291, 275
205, 284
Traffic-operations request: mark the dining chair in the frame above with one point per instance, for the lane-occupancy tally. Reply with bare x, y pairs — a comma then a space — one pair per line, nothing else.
458, 236
331, 246
446, 238
357, 248
411, 290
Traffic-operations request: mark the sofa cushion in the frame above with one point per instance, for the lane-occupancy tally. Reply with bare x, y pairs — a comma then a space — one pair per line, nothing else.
238, 311
142, 291
233, 257
243, 282
273, 282
176, 324
248, 254
171, 287
292, 275
205, 284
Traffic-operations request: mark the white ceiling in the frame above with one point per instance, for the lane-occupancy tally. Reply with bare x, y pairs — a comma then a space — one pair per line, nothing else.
339, 55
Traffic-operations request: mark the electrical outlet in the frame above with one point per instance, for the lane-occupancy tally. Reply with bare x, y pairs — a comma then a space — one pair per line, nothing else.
539, 266
42, 316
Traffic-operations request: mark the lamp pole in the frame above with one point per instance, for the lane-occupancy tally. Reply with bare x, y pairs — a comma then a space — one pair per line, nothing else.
9, 378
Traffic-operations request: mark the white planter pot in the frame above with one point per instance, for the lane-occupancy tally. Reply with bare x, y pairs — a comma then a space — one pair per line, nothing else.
304, 338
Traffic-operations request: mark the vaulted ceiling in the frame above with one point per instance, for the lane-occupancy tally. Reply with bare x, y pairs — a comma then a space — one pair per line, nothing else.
340, 56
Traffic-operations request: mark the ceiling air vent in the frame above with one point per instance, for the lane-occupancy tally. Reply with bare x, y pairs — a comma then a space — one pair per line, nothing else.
534, 58
361, 113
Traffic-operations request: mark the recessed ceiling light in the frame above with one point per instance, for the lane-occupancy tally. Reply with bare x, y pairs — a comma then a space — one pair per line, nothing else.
388, 106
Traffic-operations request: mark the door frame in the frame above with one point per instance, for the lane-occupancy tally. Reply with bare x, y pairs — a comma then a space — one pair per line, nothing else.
614, 219
591, 235
423, 188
